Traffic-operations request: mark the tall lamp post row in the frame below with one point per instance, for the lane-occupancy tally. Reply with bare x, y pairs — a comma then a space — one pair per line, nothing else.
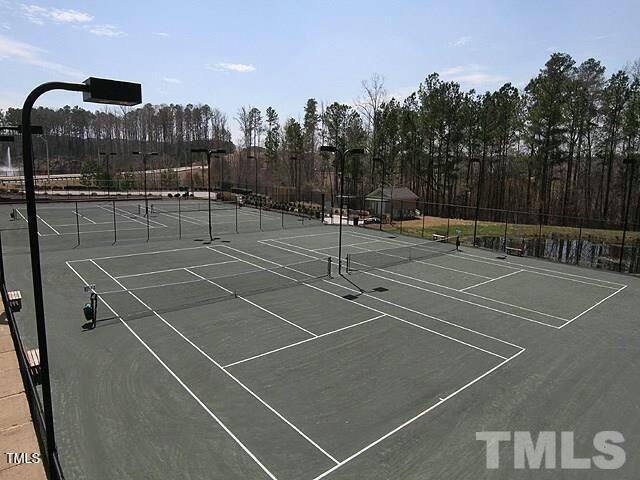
106, 156
210, 153
341, 156
144, 156
96, 90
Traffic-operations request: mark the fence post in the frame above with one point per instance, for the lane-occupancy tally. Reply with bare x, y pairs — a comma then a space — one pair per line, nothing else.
282, 215
424, 207
1, 261
179, 219
260, 211
506, 226
115, 225
579, 246
322, 200
78, 222
540, 249
236, 214
401, 214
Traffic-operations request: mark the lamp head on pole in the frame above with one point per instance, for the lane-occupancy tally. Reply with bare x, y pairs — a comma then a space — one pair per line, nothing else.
114, 92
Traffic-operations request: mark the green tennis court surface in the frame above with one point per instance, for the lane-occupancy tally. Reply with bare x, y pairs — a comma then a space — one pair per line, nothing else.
251, 358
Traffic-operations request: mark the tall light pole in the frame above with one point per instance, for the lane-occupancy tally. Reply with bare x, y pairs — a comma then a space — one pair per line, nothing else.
144, 156
342, 155
384, 168
106, 156
209, 153
96, 90
480, 175
295, 159
249, 157
220, 158
630, 163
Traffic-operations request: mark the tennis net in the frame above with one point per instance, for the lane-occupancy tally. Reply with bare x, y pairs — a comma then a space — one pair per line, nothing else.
388, 257
198, 290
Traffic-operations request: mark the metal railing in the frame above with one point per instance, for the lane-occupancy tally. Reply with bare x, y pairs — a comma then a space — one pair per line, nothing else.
53, 469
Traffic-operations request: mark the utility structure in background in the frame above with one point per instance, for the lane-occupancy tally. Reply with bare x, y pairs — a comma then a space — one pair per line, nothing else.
210, 153
144, 156
97, 90
384, 172
105, 156
341, 157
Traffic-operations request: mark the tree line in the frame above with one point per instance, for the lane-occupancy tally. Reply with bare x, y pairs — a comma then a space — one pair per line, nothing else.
557, 146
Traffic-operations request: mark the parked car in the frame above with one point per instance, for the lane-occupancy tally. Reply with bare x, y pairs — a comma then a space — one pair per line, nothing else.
371, 220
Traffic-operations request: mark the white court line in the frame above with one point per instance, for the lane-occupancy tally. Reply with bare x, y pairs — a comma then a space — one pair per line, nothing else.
302, 236
462, 300
456, 290
132, 216
230, 375
343, 246
74, 224
183, 218
388, 302
182, 383
45, 222
512, 265
155, 252
25, 219
88, 232
279, 317
303, 341
267, 242
411, 420
593, 306
452, 269
174, 269
475, 295
364, 306
417, 312
492, 280
82, 216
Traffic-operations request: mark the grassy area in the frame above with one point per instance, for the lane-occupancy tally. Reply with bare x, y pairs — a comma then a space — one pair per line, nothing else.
516, 231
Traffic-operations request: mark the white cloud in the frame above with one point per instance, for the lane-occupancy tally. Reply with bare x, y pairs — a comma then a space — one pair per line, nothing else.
462, 41
472, 76
106, 30
172, 80
38, 15
161, 34
23, 52
232, 67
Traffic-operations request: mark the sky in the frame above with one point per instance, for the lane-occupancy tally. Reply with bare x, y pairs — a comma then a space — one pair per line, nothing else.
280, 53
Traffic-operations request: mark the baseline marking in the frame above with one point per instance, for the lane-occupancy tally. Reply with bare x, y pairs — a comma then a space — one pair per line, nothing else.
421, 414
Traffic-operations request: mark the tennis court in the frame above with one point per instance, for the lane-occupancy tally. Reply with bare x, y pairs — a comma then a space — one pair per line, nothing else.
251, 357
65, 223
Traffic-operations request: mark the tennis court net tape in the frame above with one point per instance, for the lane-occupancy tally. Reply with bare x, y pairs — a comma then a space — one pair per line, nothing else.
198, 289
388, 257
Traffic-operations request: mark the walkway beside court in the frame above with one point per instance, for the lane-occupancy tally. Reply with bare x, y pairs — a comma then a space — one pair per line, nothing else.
17, 434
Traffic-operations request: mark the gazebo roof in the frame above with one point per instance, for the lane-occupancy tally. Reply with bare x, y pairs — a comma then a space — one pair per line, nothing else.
392, 193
